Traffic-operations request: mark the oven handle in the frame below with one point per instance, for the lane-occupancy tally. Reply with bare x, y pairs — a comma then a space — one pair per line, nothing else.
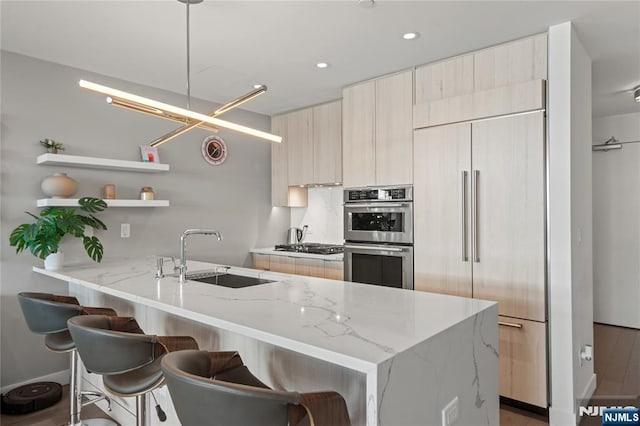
376, 205
376, 248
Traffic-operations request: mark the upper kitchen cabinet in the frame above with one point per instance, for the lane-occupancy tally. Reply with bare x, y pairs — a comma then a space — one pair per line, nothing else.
279, 166
504, 79
358, 132
327, 143
444, 79
281, 194
310, 152
511, 63
377, 143
300, 147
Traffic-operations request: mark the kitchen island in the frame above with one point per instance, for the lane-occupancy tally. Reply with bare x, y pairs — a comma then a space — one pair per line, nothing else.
398, 357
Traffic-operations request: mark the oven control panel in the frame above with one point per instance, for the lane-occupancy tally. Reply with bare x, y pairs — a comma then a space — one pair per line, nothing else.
396, 193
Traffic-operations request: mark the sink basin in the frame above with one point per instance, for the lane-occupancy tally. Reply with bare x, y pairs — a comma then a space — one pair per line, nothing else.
227, 280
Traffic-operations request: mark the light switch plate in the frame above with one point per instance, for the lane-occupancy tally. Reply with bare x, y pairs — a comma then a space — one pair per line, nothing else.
450, 413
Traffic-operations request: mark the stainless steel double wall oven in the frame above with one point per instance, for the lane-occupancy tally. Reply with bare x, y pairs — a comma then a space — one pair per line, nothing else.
378, 233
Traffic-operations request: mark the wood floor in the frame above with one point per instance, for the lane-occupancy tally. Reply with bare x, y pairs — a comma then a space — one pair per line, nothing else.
617, 365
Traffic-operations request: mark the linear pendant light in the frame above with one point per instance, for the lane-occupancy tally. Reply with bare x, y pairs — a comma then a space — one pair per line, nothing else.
160, 109
226, 107
188, 118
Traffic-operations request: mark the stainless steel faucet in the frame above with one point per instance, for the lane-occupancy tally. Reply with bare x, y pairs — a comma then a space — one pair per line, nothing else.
182, 268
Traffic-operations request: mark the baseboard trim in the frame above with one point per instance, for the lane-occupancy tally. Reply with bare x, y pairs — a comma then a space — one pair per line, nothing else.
590, 388
564, 417
561, 417
61, 377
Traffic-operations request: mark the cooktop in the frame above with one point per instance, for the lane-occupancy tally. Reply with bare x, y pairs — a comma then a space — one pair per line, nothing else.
315, 248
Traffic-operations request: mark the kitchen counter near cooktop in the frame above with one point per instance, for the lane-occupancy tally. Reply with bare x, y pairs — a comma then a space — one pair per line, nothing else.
402, 341
272, 251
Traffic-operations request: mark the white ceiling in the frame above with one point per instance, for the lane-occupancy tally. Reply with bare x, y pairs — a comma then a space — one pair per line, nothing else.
235, 44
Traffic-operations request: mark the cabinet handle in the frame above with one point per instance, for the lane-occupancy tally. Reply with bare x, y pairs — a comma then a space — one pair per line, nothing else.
474, 214
510, 324
465, 258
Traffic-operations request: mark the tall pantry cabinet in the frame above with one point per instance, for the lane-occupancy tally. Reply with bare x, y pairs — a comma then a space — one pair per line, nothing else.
479, 198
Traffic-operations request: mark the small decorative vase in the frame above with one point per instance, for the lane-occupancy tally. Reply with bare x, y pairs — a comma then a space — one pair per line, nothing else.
52, 150
54, 261
59, 186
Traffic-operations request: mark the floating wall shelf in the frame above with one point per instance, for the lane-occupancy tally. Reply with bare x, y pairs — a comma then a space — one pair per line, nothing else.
73, 202
101, 163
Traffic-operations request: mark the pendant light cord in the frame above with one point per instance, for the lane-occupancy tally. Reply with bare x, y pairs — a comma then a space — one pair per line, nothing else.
188, 62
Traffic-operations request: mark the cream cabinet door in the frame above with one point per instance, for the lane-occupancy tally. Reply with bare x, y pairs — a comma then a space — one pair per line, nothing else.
523, 360
334, 270
300, 147
442, 163
358, 132
444, 79
283, 264
511, 63
508, 185
327, 143
394, 129
261, 261
279, 163
310, 267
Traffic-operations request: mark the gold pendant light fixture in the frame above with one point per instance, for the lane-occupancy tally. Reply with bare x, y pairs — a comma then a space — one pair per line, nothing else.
189, 119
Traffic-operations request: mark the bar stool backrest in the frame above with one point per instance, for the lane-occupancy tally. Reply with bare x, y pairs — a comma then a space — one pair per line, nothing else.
201, 400
44, 315
106, 351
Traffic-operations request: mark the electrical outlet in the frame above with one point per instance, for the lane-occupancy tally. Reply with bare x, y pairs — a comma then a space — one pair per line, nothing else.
125, 230
450, 413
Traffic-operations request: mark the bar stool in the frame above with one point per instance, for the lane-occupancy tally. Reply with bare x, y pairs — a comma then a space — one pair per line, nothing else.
127, 359
47, 314
215, 388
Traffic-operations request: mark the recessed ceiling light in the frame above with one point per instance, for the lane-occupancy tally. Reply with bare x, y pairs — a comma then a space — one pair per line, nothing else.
410, 36
322, 65
366, 3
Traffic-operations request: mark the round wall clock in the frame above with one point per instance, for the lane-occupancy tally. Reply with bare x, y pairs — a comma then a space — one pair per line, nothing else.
214, 150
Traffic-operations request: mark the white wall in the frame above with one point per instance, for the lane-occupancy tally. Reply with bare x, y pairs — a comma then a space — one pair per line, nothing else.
42, 100
323, 214
570, 276
616, 222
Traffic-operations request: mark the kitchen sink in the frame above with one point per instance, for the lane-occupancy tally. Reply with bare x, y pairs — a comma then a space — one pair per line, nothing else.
227, 280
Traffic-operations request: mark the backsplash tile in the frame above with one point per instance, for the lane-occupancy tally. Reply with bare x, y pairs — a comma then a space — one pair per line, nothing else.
323, 215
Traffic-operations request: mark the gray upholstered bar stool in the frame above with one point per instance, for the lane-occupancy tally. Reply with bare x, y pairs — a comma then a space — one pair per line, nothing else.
47, 314
215, 388
127, 359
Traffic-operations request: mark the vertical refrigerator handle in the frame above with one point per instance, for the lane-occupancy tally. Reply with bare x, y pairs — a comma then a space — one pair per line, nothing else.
465, 258
474, 216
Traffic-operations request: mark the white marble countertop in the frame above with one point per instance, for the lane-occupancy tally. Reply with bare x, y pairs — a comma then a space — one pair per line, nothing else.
274, 252
358, 326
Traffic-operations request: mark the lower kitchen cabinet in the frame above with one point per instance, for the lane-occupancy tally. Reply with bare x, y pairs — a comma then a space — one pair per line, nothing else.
331, 269
261, 261
523, 360
284, 264
334, 270
310, 267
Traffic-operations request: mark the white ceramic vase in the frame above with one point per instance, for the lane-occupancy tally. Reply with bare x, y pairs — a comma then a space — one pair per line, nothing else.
54, 261
59, 186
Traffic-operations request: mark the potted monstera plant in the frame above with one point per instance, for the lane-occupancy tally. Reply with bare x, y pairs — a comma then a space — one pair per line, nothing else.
42, 237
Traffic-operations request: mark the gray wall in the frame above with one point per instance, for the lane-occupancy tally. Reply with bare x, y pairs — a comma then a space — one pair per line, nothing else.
42, 100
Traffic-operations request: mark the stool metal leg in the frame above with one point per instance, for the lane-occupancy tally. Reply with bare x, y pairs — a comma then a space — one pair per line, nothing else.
141, 410
74, 395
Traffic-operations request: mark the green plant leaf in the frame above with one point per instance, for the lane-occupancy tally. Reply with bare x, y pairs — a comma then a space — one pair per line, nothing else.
92, 205
93, 247
17, 237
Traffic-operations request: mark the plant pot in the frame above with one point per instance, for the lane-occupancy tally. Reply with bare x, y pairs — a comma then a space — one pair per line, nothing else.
52, 150
59, 186
54, 261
